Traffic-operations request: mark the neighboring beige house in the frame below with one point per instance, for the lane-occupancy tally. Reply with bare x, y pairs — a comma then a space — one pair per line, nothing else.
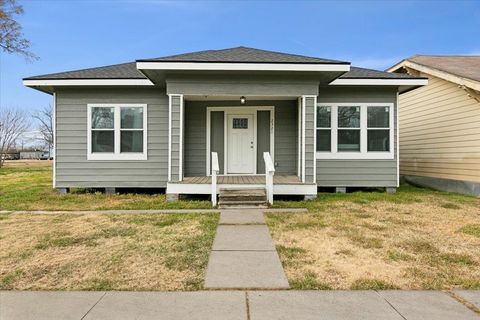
440, 123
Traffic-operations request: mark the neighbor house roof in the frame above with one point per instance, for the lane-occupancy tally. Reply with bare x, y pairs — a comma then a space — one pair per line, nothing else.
463, 70
243, 54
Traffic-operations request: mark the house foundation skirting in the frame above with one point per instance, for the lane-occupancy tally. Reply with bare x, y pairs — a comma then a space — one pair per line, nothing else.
449, 185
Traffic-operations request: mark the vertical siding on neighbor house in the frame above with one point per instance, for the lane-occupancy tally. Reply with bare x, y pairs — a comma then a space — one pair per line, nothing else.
195, 135
440, 132
176, 105
358, 173
72, 167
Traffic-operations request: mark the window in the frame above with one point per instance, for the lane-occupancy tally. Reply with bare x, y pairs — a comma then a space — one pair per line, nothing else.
378, 124
117, 132
240, 123
324, 132
348, 134
355, 131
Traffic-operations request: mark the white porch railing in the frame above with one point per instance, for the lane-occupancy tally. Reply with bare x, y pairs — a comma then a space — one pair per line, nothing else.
215, 171
269, 172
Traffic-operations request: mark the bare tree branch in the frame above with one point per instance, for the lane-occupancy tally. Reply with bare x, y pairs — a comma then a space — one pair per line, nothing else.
13, 123
44, 118
11, 36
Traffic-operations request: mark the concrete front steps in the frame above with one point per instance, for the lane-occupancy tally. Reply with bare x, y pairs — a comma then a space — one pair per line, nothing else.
242, 198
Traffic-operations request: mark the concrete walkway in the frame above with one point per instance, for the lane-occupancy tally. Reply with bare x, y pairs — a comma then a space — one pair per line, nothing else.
236, 305
243, 255
146, 211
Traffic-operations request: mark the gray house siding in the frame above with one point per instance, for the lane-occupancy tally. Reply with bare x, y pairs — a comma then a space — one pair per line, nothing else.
195, 135
72, 167
236, 85
359, 173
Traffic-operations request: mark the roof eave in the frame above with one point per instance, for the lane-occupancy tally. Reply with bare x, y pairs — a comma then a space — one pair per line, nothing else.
242, 66
379, 82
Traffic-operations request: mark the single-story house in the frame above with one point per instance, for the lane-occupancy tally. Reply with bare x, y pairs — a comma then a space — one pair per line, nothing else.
200, 122
440, 123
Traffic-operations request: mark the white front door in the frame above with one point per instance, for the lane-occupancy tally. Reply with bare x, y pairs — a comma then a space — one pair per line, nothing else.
240, 144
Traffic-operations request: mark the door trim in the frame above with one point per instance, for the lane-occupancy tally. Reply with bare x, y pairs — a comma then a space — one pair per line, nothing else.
239, 110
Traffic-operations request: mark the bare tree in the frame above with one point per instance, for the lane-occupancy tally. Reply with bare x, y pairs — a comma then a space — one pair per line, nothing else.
44, 118
13, 123
12, 39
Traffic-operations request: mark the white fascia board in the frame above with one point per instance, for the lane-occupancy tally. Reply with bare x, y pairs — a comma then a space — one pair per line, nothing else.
88, 82
379, 82
200, 66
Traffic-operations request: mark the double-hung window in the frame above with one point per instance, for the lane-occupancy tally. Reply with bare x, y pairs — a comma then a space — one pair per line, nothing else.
117, 132
355, 131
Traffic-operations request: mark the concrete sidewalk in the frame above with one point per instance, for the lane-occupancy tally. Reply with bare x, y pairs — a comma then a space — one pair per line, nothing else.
236, 305
243, 254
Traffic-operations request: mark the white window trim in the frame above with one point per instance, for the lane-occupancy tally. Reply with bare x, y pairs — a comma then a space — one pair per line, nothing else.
363, 154
116, 155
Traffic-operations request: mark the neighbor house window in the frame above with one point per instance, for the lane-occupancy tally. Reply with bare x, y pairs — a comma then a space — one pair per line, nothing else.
355, 131
117, 132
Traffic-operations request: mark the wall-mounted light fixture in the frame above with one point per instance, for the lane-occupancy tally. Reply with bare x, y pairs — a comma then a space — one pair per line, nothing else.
243, 100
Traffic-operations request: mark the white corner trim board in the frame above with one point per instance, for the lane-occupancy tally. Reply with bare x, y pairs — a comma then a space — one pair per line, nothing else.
88, 82
379, 82
218, 66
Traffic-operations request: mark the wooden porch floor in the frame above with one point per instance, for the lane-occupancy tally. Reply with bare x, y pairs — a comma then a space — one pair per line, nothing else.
277, 179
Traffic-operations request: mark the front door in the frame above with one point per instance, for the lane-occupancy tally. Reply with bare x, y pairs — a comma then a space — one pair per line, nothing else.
240, 144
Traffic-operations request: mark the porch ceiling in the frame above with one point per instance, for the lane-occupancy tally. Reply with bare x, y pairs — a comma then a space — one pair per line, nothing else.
235, 98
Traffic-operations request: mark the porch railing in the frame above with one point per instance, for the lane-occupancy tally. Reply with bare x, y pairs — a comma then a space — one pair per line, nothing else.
269, 172
215, 171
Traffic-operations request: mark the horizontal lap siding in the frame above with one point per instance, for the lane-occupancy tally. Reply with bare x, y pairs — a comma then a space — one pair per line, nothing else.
358, 173
72, 167
440, 132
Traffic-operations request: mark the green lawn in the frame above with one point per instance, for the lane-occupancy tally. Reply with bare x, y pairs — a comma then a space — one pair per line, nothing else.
30, 188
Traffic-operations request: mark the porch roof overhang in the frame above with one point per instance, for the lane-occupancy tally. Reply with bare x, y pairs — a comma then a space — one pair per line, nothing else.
161, 71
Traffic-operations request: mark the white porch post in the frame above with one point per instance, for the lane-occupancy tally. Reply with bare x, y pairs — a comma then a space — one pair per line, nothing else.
175, 137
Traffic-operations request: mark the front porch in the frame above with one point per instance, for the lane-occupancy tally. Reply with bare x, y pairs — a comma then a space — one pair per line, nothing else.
282, 184
260, 142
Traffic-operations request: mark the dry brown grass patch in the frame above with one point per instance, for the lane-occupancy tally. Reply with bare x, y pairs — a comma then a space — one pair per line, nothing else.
416, 243
105, 252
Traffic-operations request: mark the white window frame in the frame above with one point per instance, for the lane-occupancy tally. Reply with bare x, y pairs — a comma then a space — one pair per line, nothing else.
116, 155
363, 154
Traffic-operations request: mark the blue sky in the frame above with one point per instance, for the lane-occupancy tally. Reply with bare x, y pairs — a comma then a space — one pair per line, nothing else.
69, 35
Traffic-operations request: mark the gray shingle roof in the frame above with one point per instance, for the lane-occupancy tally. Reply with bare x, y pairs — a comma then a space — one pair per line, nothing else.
362, 73
117, 71
243, 54
240, 54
